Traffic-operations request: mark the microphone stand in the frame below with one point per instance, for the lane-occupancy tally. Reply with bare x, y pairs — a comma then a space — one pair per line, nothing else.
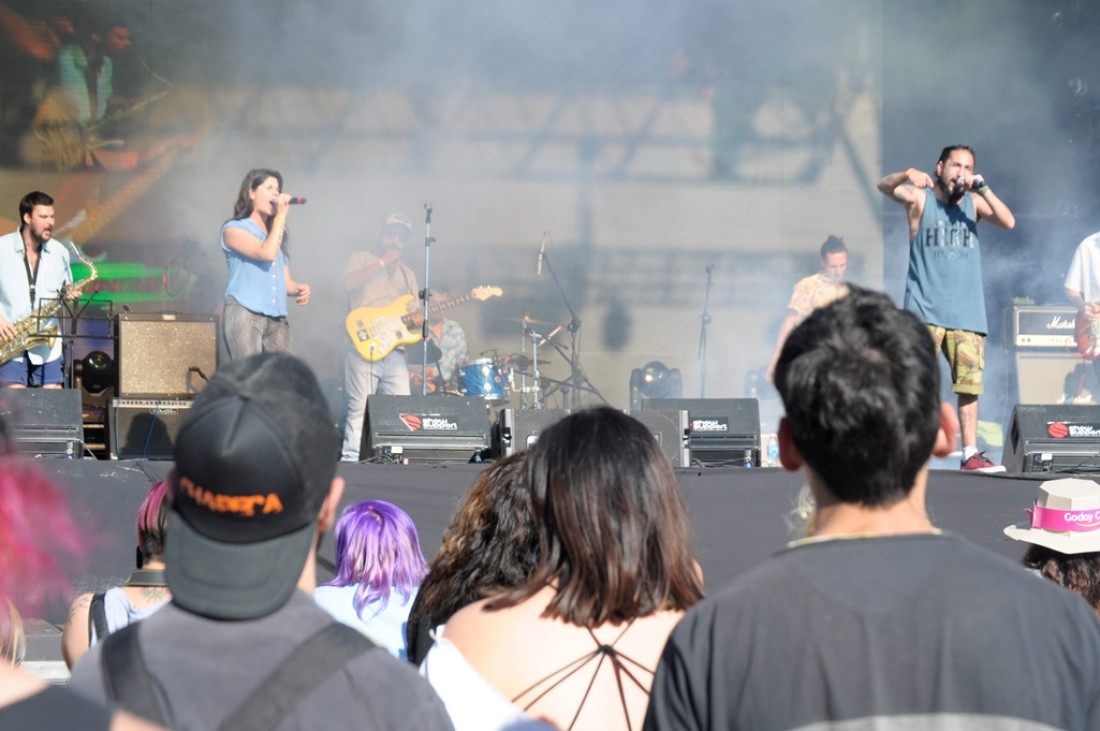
577, 380
705, 317
425, 297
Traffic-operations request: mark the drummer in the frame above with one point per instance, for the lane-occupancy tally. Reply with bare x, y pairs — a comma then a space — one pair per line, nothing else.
448, 336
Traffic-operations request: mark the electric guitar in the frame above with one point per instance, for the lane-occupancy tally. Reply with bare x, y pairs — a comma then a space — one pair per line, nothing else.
1087, 334
376, 331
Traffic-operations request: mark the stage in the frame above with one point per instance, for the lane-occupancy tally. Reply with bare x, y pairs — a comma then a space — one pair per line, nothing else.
739, 516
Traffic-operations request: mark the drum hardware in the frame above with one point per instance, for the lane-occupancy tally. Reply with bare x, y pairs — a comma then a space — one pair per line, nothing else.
525, 320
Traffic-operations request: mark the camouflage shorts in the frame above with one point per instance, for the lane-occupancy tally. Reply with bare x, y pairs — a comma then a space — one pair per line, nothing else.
965, 352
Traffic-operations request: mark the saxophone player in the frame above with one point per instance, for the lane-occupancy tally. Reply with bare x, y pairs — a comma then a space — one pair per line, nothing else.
34, 271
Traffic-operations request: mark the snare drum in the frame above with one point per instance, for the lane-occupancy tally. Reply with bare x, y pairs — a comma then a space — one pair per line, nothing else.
483, 377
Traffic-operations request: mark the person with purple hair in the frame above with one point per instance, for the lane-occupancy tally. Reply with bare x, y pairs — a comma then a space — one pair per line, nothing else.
94, 615
379, 568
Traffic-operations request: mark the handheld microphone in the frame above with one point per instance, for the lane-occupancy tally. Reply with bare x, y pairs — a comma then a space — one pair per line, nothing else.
297, 200
976, 183
542, 253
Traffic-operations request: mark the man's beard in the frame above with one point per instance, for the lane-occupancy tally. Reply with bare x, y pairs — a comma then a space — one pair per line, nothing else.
952, 198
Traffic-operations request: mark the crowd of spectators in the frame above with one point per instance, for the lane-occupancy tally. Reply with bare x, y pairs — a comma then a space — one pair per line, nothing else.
565, 593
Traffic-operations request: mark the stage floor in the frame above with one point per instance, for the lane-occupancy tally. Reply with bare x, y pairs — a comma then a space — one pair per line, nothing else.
739, 516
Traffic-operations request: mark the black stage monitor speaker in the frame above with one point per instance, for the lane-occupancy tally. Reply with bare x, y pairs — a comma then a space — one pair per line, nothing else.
45, 422
144, 428
671, 430
720, 431
424, 429
165, 354
517, 429
1053, 438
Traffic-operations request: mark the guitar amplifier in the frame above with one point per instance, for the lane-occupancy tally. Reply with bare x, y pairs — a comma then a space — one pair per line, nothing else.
721, 432
144, 428
1044, 326
424, 429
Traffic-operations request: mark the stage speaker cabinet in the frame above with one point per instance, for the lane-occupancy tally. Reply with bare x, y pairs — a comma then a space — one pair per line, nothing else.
721, 432
1054, 378
165, 355
517, 429
424, 429
144, 428
1059, 438
671, 429
44, 422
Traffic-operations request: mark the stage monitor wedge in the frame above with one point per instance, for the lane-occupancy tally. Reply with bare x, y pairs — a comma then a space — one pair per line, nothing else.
721, 432
1054, 438
517, 429
45, 422
425, 429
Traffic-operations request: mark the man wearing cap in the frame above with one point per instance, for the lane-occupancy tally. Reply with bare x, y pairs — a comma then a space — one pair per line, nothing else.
253, 489
878, 619
376, 277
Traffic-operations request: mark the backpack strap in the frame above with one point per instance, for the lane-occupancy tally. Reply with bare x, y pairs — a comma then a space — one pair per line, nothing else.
126, 678
312, 662
97, 618
147, 577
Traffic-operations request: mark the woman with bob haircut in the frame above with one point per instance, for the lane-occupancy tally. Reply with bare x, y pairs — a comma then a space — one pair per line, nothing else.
577, 643
378, 569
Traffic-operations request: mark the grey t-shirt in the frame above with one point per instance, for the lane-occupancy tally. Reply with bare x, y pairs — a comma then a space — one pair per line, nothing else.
207, 667
918, 631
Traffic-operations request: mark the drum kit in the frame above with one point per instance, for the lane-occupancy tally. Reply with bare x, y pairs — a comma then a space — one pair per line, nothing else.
495, 377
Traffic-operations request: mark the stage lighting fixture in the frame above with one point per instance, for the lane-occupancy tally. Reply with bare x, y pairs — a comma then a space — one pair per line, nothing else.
97, 372
654, 380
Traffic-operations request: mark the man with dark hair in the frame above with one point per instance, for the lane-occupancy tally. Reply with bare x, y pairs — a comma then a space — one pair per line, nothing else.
816, 290
944, 284
34, 270
877, 619
254, 487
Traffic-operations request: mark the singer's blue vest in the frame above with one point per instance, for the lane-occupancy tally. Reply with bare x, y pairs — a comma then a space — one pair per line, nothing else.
944, 284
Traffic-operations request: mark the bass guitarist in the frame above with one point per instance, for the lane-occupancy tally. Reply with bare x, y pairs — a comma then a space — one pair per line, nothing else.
375, 278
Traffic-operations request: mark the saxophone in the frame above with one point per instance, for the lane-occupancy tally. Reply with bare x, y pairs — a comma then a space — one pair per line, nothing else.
34, 330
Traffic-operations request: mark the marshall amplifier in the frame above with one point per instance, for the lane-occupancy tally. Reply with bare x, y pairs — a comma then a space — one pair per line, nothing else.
424, 429
1047, 366
1043, 326
1058, 439
720, 431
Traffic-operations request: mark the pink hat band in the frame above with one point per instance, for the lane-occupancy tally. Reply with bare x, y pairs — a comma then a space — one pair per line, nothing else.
1060, 519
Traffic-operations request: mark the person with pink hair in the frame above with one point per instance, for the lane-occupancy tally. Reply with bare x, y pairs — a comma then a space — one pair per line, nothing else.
39, 542
379, 567
94, 615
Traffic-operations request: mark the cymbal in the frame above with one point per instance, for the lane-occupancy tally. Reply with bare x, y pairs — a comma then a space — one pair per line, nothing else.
521, 361
525, 319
